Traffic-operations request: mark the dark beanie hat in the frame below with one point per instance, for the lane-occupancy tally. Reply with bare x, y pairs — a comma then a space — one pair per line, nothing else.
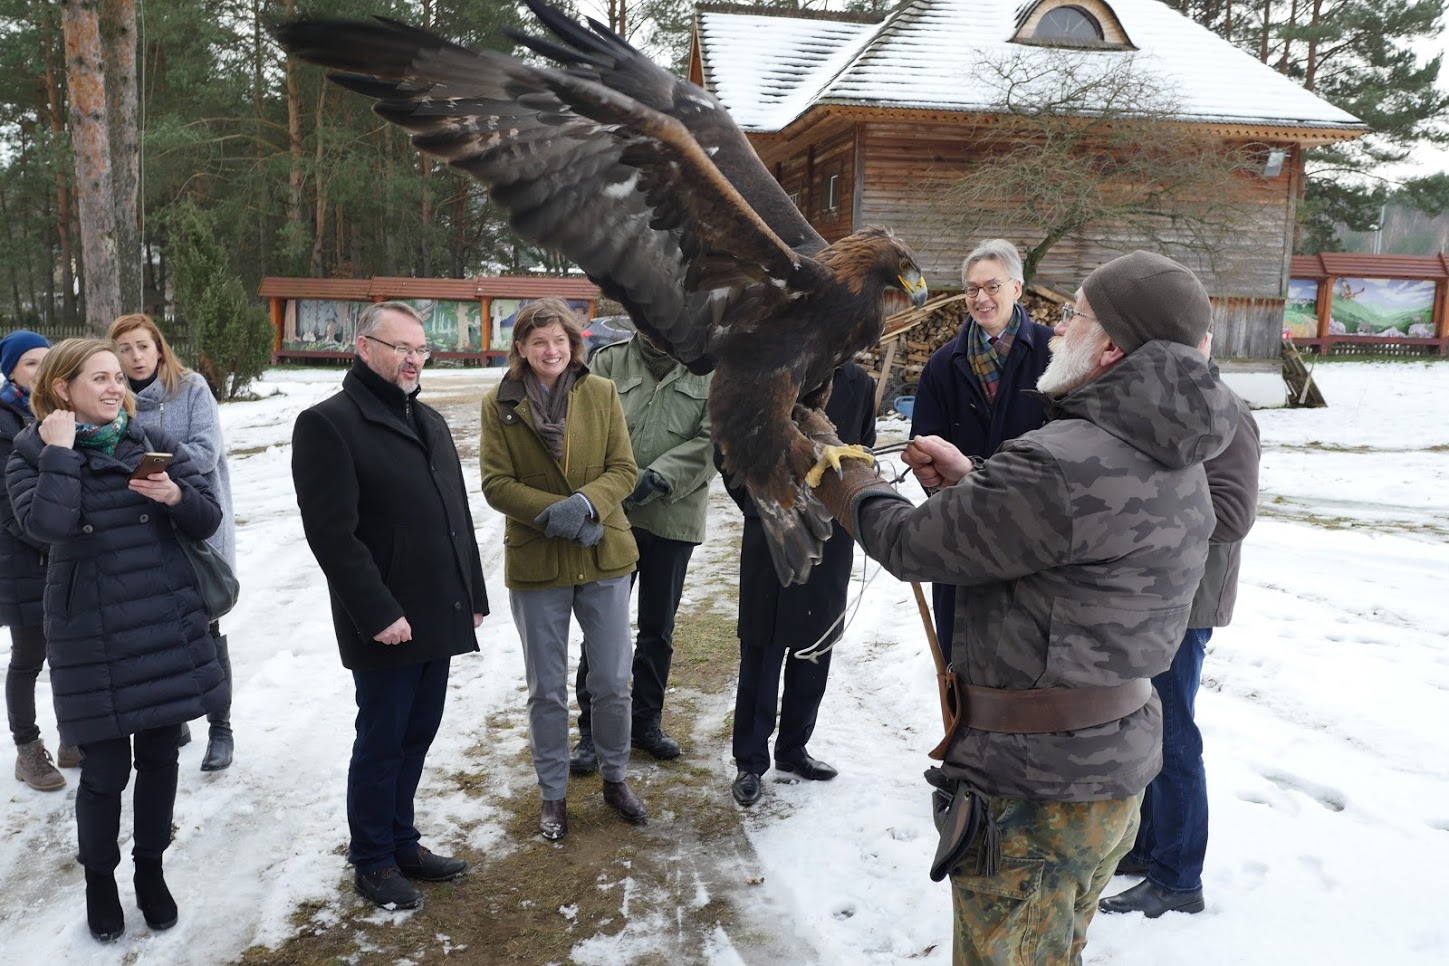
15, 345
1143, 296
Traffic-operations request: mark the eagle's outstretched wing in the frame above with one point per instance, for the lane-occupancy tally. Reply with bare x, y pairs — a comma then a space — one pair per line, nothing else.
622, 189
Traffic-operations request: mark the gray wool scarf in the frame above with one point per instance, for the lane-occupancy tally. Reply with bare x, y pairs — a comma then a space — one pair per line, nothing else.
550, 407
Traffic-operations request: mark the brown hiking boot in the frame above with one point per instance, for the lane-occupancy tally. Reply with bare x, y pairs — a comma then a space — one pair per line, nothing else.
34, 767
67, 756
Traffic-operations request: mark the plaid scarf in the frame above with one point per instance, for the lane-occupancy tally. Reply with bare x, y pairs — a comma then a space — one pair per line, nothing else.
16, 396
102, 437
987, 360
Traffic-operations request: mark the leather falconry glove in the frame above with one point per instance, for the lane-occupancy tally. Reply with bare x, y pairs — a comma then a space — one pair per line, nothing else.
839, 490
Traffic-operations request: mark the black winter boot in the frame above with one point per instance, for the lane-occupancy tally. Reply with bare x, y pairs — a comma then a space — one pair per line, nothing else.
152, 895
219, 744
103, 906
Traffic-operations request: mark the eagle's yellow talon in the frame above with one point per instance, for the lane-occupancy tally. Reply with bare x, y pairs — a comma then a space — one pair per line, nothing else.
830, 457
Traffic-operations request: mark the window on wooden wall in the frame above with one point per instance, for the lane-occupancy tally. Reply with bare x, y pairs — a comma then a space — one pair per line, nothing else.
830, 194
1070, 23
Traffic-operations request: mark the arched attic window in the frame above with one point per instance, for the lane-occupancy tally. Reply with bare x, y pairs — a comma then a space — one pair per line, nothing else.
1070, 23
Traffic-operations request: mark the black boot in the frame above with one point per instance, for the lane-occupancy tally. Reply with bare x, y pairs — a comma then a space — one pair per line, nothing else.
152, 895
103, 907
219, 745
584, 760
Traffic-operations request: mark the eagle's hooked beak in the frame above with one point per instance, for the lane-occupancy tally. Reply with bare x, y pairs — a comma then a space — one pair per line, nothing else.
913, 283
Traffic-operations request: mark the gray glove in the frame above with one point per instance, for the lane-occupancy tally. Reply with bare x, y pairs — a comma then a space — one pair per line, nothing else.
589, 534
564, 518
650, 487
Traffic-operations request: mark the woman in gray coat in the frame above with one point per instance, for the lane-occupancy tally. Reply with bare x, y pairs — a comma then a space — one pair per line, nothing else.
173, 400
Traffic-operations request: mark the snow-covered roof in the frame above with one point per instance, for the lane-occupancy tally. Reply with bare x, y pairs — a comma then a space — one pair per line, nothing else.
769, 70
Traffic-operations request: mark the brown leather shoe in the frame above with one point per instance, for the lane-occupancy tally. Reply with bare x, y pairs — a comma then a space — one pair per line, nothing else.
618, 797
553, 823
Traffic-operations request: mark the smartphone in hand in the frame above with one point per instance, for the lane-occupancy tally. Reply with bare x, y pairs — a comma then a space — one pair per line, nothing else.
151, 463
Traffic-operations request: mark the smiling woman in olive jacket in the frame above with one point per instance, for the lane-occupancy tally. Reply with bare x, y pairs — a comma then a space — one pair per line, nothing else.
556, 461
130, 653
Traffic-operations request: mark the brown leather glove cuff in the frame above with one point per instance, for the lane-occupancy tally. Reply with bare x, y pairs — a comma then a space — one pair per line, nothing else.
842, 492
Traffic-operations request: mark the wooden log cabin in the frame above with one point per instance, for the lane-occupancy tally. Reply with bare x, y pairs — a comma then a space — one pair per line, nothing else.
854, 113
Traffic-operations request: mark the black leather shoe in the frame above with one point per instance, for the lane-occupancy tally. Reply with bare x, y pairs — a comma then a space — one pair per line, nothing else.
427, 867
807, 767
1152, 902
388, 889
584, 760
746, 788
652, 740
621, 799
219, 748
553, 821
1131, 865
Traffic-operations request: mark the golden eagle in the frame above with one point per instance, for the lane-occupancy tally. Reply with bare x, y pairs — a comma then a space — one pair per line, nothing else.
644, 181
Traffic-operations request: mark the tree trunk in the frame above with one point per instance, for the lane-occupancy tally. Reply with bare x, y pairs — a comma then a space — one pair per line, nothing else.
118, 19
296, 175
1267, 23
319, 218
85, 80
55, 111
263, 236
425, 245
1310, 69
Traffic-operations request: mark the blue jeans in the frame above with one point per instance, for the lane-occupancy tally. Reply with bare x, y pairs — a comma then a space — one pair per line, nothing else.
1172, 836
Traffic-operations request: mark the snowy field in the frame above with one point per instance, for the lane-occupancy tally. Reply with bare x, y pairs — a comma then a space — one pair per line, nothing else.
1325, 710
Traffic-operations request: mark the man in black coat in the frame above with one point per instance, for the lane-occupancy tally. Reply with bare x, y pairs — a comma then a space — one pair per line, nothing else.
775, 621
386, 514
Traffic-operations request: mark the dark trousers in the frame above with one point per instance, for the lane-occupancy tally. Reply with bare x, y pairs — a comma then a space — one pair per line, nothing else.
27, 656
105, 770
398, 713
660, 579
756, 699
1172, 837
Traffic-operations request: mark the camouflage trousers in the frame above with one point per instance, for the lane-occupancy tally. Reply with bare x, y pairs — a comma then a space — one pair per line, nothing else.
1055, 859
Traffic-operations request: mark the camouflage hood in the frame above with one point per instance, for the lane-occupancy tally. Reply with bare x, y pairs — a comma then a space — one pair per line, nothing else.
1163, 400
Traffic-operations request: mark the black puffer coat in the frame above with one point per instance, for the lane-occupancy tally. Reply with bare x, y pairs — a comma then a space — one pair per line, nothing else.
127, 636
22, 560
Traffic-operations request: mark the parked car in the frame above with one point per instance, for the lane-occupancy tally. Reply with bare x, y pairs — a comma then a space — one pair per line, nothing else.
606, 330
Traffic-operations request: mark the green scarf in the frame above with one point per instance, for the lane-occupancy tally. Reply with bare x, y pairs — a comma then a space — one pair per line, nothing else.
102, 437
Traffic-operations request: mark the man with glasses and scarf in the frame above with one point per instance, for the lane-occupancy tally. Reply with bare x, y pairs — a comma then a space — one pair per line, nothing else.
385, 511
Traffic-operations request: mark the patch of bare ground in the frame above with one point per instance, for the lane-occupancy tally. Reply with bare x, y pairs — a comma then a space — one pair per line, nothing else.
608, 892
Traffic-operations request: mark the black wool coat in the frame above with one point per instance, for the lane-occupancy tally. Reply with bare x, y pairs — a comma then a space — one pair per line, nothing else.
796, 617
22, 560
127, 637
385, 511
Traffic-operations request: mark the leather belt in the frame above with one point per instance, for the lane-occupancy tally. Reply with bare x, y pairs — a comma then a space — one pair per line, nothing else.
1039, 711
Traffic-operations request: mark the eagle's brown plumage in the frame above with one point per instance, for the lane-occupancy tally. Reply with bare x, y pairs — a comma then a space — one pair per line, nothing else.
643, 179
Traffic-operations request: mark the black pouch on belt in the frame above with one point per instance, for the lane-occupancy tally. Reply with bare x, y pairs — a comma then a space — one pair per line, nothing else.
957, 813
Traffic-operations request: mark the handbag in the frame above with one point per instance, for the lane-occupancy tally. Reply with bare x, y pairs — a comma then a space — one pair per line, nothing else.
215, 580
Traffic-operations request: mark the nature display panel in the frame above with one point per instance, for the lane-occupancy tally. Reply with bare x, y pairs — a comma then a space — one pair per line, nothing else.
320, 325
1386, 307
1300, 312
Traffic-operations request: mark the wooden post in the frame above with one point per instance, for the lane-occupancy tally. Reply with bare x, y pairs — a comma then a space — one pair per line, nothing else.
885, 372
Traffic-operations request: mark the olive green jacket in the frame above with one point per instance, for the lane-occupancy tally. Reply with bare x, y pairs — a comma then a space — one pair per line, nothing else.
668, 423
521, 479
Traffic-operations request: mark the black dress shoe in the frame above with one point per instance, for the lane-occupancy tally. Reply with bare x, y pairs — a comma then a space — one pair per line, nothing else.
1131, 865
1152, 902
746, 788
427, 867
653, 740
553, 820
807, 767
387, 889
584, 760
621, 799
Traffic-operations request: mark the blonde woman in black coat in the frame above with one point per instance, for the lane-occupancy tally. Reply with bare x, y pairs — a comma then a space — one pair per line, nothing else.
130, 655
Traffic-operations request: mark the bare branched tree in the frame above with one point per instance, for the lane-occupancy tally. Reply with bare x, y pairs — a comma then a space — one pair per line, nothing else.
1092, 150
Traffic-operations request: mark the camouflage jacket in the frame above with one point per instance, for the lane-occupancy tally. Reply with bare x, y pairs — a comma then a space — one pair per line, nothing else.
1077, 548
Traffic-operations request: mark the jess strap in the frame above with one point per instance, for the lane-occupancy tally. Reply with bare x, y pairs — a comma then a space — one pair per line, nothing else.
1045, 710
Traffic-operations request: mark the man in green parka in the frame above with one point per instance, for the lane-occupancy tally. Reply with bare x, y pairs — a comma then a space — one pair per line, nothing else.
665, 407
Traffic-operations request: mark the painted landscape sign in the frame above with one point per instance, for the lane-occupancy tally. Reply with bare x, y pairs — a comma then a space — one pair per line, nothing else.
1382, 307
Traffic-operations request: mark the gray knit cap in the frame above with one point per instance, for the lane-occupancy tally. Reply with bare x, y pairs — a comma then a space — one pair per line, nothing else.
1144, 296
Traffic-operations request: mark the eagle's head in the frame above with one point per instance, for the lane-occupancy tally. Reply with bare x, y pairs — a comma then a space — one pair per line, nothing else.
875, 251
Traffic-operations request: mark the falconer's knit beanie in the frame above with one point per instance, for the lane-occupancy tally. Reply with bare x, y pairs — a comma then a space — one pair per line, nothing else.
1144, 296
15, 345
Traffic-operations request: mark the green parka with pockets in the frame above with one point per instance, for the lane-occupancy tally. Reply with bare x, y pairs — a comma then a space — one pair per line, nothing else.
668, 422
521, 479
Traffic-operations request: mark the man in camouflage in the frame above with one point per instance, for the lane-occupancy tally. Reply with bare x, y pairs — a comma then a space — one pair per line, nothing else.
1079, 546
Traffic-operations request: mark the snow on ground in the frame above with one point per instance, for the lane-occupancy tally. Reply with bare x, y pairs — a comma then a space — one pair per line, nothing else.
1325, 710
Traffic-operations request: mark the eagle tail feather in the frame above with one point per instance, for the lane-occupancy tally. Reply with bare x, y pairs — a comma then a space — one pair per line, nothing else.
796, 535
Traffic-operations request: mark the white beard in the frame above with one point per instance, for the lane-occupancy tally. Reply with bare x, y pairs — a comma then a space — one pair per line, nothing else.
1070, 366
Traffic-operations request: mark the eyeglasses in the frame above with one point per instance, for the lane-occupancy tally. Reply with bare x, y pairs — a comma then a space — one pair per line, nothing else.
991, 288
403, 351
1069, 312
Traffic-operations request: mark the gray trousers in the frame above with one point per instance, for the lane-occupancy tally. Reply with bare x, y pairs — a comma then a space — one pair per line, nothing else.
542, 619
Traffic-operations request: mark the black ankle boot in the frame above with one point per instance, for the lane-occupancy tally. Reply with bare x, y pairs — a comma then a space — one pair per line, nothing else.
219, 747
152, 895
103, 907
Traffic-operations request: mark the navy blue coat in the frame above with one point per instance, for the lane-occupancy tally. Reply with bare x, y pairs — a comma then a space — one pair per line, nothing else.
126, 635
22, 560
951, 404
